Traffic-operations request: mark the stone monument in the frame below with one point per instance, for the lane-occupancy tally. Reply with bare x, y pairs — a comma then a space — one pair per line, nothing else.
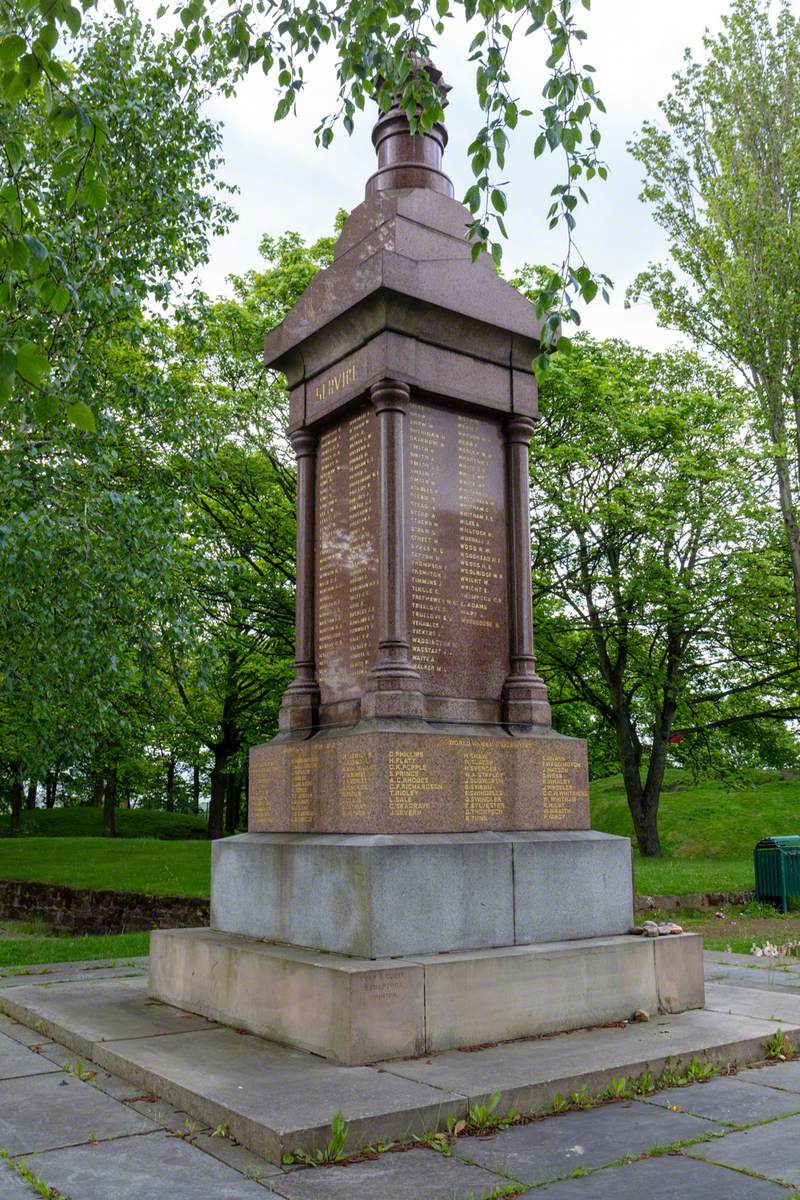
419, 871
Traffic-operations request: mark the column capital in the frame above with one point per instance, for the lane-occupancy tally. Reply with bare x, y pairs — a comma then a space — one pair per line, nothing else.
304, 442
519, 428
390, 395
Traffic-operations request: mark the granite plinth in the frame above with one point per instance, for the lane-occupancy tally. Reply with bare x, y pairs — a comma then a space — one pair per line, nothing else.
426, 780
358, 1010
380, 895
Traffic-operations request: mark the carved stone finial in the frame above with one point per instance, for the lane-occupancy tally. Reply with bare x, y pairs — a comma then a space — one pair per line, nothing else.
406, 159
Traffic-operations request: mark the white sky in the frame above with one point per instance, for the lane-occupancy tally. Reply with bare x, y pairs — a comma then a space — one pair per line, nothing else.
285, 182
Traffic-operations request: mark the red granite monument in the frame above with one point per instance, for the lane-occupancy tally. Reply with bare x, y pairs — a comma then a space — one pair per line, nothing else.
416, 706
416, 819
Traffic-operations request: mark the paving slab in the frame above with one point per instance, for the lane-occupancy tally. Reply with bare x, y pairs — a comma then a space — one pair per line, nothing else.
17, 1060
414, 1175
142, 1168
733, 1101
273, 1099
83, 1068
784, 1075
553, 1147
12, 1185
43, 1112
769, 1150
19, 1032
779, 1004
769, 979
66, 973
233, 1155
671, 1177
528, 1073
79, 1014
716, 958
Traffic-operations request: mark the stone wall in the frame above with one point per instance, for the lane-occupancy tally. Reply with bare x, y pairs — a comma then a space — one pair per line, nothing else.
82, 910
698, 900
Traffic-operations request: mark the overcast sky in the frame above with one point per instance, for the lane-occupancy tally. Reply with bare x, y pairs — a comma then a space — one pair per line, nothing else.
285, 182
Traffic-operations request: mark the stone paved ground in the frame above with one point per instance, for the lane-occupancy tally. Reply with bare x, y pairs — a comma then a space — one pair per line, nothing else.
90, 1136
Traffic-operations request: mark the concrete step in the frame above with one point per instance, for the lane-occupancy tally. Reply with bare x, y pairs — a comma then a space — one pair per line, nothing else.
273, 1099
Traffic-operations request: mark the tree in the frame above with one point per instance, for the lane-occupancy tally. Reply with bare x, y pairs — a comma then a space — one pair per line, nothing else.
380, 52
238, 488
656, 573
89, 525
724, 182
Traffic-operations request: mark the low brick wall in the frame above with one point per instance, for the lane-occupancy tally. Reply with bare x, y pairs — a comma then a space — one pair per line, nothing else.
83, 910
699, 900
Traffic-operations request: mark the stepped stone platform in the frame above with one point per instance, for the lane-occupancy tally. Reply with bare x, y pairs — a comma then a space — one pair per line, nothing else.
274, 1099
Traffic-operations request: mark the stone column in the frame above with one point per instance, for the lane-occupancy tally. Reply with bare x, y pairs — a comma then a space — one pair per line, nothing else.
300, 702
524, 693
393, 687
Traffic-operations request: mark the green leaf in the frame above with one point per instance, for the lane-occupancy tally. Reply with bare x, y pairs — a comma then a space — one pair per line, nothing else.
93, 194
37, 249
60, 300
73, 18
46, 405
12, 48
32, 364
8, 362
499, 200
82, 416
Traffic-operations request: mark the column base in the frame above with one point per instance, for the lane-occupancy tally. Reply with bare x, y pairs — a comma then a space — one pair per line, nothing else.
356, 1011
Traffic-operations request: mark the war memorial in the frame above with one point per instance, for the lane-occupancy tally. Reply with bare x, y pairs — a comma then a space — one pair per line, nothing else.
419, 871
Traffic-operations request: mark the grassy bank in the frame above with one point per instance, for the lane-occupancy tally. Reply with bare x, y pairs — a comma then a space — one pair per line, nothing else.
165, 868
88, 822
708, 819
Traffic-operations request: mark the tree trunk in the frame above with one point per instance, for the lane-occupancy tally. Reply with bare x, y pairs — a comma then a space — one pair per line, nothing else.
642, 801
219, 788
232, 800
110, 803
171, 785
16, 798
773, 397
30, 795
50, 787
196, 788
98, 784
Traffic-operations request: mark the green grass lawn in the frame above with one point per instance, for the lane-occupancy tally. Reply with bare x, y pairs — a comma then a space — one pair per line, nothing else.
88, 822
24, 952
708, 819
165, 868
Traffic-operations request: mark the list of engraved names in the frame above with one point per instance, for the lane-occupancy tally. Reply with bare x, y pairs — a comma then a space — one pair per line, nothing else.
346, 555
457, 542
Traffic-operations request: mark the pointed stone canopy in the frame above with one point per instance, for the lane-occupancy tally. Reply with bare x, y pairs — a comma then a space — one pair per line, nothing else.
404, 300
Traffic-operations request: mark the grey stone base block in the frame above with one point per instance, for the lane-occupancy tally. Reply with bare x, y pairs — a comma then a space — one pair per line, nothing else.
380, 895
359, 1010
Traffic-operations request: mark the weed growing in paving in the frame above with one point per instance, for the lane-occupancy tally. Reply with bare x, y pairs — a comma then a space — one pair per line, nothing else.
333, 1152
79, 1071
38, 1185
779, 1046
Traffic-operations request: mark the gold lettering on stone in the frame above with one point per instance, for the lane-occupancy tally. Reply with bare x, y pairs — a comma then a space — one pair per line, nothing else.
409, 782
347, 555
355, 776
480, 566
559, 795
457, 537
302, 779
335, 383
483, 787
260, 787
